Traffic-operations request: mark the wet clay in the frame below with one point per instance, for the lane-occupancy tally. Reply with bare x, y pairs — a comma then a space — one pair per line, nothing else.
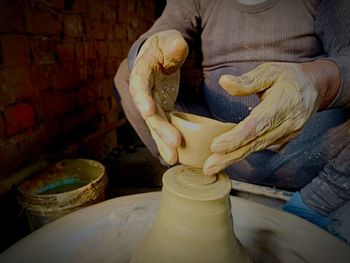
194, 221
197, 134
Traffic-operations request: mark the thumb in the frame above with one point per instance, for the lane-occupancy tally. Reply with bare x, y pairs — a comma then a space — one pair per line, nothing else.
174, 50
254, 81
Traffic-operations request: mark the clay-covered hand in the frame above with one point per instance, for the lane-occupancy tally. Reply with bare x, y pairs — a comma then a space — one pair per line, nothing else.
154, 84
290, 93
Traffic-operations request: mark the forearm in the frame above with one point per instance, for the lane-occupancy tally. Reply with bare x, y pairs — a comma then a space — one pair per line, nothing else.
330, 190
326, 76
332, 26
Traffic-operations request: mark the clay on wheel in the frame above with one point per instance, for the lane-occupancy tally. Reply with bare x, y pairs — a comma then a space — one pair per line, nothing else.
194, 221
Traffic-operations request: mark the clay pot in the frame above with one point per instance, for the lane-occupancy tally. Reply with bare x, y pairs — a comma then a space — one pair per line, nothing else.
194, 222
197, 135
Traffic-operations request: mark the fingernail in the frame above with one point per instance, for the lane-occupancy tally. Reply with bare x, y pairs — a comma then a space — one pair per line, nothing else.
173, 159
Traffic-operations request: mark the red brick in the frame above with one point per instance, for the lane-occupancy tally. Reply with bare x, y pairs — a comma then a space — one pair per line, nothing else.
148, 4
65, 78
121, 32
144, 5
105, 88
2, 127
79, 51
94, 30
115, 49
81, 6
65, 52
19, 85
21, 149
98, 70
43, 50
15, 51
109, 12
56, 4
39, 82
133, 34
123, 17
11, 17
122, 4
57, 104
73, 122
42, 22
142, 28
10, 158
111, 117
5, 92
148, 14
95, 8
114, 104
84, 50
131, 6
73, 25
112, 4
101, 50
18, 118
87, 95
83, 70
103, 105
53, 129
111, 67
125, 51
98, 28
135, 22
31, 144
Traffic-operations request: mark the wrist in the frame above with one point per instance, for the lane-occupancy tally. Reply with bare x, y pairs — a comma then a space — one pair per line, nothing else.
326, 77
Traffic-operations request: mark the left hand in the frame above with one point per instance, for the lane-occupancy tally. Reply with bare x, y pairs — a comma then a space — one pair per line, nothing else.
290, 93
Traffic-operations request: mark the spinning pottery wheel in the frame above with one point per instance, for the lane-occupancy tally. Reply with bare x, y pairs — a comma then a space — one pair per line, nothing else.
137, 227
110, 231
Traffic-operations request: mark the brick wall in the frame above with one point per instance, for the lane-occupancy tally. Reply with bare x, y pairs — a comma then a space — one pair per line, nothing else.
57, 62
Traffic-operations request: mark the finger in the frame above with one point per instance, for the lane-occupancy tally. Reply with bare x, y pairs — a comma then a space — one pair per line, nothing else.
219, 161
280, 142
256, 80
168, 153
165, 131
140, 86
268, 115
243, 133
282, 133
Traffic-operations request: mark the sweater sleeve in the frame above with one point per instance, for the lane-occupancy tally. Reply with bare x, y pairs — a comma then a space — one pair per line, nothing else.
181, 15
333, 28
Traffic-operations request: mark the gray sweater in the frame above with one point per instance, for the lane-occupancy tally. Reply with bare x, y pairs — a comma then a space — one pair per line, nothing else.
234, 38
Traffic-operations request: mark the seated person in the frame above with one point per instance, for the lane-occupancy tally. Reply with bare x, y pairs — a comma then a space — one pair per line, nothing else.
279, 69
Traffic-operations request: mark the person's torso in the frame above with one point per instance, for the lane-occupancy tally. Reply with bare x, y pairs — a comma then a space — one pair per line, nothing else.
235, 38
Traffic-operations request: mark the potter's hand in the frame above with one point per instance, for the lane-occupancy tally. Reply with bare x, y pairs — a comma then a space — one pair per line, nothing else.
290, 94
154, 84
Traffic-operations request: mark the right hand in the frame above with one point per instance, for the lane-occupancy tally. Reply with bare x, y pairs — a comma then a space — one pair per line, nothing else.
154, 84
